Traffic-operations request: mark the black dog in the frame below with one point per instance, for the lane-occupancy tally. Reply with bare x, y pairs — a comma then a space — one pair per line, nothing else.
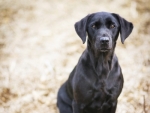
96, 81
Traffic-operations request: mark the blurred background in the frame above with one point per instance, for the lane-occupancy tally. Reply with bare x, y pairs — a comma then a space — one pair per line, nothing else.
39, 48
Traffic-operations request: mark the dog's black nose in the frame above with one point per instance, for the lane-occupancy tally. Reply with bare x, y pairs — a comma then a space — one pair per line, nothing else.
104, 40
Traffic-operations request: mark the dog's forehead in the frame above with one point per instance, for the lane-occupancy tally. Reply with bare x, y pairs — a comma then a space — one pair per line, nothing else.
102, 16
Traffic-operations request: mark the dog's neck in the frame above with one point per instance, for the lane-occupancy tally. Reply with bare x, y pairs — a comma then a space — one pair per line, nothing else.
101, 61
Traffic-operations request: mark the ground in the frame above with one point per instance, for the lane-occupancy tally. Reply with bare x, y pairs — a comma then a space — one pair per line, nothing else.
39, 48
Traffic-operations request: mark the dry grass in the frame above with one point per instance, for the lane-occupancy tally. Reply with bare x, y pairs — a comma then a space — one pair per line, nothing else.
39, 48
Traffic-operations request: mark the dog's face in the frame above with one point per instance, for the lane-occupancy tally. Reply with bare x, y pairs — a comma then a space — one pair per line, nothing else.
103, 30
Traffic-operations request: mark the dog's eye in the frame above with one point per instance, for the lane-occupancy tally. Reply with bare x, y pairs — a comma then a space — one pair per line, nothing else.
112, 26
93, 26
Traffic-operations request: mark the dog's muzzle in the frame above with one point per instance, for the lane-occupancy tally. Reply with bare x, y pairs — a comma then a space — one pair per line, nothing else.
105, 44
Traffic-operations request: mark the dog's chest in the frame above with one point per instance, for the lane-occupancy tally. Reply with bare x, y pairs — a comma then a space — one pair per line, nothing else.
99, 99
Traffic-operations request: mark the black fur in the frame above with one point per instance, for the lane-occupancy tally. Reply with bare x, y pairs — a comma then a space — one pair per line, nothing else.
96, 81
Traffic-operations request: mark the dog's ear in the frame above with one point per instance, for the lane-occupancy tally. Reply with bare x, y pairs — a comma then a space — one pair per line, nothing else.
125, 27
80, 28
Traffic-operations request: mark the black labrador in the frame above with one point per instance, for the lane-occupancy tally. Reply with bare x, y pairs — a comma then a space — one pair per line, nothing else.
96, 81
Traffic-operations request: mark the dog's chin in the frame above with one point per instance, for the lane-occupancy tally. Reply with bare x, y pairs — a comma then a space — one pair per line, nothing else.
104, 50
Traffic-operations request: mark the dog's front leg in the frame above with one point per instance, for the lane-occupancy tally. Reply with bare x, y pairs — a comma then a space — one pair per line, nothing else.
77, 108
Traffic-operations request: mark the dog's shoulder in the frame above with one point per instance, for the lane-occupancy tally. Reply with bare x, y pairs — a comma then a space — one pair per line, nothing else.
115, 65
115, 61
84, 59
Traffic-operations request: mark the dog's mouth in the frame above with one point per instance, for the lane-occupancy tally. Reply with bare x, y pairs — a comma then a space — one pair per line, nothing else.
107, 49
104, 50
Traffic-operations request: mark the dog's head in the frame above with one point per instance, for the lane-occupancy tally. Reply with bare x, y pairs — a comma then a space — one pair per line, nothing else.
103, 29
